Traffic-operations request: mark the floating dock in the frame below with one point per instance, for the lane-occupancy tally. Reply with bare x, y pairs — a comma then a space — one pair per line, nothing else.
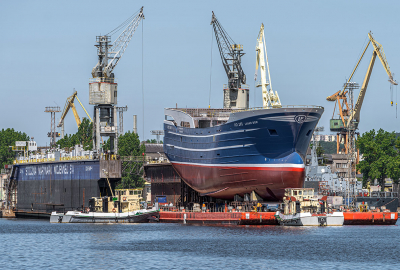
268, 218
234, 218
370, 218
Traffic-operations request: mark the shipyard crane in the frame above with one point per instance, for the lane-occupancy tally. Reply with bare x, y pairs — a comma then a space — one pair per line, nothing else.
350, 115
69, 104
109, 59
236, 92
270, 98
103, 85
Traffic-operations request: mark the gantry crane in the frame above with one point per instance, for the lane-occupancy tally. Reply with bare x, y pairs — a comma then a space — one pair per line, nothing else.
349, 115
236, 92
69, 104
270, 98
103, 86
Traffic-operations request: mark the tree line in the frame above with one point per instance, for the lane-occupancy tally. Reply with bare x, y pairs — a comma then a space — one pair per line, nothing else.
380, 156
8, 137
128, 145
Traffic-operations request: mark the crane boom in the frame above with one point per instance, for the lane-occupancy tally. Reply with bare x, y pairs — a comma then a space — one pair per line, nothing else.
228, 50
269, 97
354, 70
378, 51
341, 95
109, 59
348, 122
357, 107
381, 54
69, 104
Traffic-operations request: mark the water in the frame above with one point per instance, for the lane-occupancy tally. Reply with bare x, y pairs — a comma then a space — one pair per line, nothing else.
39, 244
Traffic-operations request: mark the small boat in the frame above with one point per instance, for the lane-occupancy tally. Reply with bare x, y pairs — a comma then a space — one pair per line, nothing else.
139, 216
125, 207
302, 208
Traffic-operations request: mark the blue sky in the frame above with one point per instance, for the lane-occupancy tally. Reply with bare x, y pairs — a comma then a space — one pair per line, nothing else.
48, 50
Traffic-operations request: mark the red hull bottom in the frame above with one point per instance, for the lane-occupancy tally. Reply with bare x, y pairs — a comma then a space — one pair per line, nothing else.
225, 182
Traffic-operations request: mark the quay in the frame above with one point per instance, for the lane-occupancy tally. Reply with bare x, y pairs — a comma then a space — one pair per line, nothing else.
5, 213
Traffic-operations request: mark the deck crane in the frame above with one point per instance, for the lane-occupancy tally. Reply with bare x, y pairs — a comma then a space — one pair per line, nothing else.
270, 99
236, 92
349, 116
103, 85
69, 104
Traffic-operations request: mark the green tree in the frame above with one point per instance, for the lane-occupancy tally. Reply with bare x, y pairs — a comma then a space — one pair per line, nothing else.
129, 145
8, 137
106, 145
68, 141
381, 157
83, 136
329, 147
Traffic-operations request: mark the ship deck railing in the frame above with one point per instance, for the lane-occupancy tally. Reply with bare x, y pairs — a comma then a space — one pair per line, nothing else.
225, 112
43, 160
281, 107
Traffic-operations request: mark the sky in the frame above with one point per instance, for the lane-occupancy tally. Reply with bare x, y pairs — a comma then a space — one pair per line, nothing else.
47, 51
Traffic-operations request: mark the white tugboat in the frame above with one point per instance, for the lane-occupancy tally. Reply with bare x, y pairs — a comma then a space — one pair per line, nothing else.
139, 216
302, 208
125, 207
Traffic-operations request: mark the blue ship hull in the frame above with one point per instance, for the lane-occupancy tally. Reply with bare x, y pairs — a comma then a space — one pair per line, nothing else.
261, 150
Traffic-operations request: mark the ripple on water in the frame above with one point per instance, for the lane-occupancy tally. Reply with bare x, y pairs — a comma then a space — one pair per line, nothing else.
37, 243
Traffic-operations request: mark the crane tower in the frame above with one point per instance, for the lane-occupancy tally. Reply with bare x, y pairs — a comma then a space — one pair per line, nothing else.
103, 85
52, 134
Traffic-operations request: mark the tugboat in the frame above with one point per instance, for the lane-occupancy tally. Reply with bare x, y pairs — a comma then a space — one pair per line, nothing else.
302, 208
139, 216
125, 207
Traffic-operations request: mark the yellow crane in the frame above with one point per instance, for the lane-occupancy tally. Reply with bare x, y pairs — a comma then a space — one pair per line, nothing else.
69, 104
350, 117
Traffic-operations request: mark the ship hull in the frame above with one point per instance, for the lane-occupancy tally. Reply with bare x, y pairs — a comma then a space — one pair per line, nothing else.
261, 151
225, 182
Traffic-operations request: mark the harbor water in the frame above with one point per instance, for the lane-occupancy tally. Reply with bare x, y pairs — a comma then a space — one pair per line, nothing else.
39, 244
